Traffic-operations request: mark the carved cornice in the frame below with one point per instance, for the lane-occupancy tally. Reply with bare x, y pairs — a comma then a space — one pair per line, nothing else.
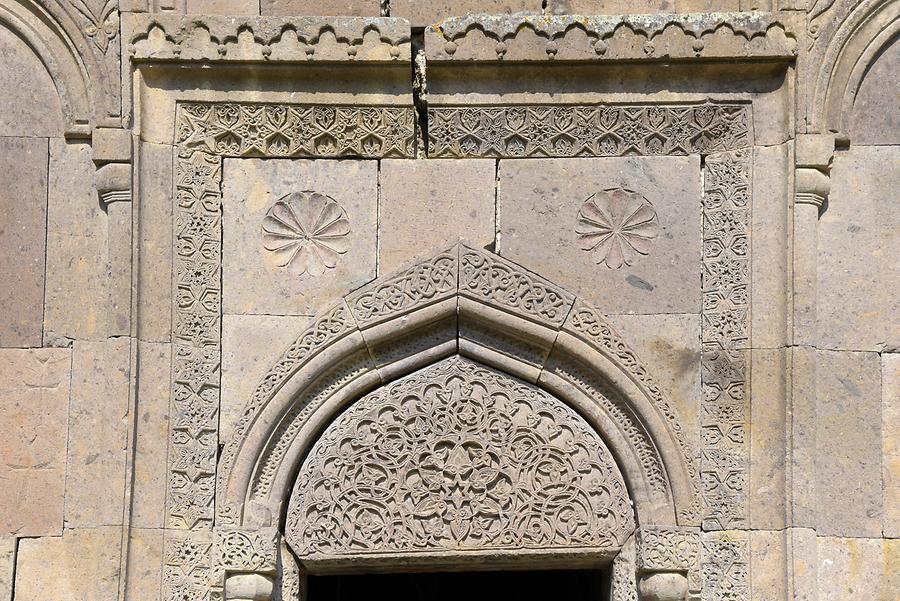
612, 38
266, 39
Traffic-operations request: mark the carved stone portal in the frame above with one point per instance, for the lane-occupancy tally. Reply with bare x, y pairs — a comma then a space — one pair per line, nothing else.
457, 459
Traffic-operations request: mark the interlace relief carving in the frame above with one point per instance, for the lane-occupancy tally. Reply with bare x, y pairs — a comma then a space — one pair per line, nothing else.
586, 130
615, 226
307, 232
457, 457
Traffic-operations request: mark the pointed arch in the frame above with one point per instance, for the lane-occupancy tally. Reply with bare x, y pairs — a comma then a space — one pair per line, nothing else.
480, 306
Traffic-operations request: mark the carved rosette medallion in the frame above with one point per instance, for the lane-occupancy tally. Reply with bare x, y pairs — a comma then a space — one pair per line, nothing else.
457, 457
615, 226
307, 232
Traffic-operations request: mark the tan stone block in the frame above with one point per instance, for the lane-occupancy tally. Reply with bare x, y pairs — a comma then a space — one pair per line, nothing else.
803, 424
849, 444
221, 7
23, 238
426, 205
111, 145
98, 409
81, 564
145, 560
768, 438
653, 205
251, 344
76, 295
858, 568
336, 201
148, 497
636, 7
875, 118
34, 402
422, 13
154, 199
344, 8
7, 566
858, 234
769, 237
890, 403
768, 565
669, 345
29, 105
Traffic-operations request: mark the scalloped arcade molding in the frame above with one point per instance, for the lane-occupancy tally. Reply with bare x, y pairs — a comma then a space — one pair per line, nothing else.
528, 38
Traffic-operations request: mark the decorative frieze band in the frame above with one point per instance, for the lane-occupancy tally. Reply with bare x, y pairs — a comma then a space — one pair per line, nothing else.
518, 131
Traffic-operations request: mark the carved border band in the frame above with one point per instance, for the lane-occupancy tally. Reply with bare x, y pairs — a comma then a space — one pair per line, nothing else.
597, 130
207, 132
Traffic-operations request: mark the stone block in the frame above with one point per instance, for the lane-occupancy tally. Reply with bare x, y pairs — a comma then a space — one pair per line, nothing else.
769, 237
96, 456
251, 344
145, 558
768, 438
81, 564
322, 8
875, 118
427, 205
34, 403
849, 444
111, 145
422, 13
154, 200
857, 267
221, 7
297, 234
151, 435
636, 7
76, 297
890, 404
7, 566
768, 565
30, 104
624, 233
858, 568
23, 239
669, 345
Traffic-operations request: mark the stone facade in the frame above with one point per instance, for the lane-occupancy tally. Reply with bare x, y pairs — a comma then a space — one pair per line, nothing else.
316, 288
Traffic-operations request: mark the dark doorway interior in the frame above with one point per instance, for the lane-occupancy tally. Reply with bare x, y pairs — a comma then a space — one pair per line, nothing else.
543, 585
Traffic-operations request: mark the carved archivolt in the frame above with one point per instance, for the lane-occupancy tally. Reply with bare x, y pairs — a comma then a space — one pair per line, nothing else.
457, 457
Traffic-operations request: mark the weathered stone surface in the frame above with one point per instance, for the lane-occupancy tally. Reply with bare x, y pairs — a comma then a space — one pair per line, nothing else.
98, 408
346, 8
858, 270
305, 270
849, 444
29, 105
769, 554
876, 118
422, 13
7, 566
81, 564
151, 434
890, 406
76, 296
154, 202
768, 442
145, 559
34, 402
221, 7
23, 238
669, 345
650, 263
622, 7
251, 344
426, 205
858, 568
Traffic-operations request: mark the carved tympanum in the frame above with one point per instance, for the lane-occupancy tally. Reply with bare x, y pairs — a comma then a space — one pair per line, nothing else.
457, 457
307, 232
615, 226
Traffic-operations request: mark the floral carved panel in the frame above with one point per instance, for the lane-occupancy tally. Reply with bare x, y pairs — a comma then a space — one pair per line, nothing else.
457, 458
